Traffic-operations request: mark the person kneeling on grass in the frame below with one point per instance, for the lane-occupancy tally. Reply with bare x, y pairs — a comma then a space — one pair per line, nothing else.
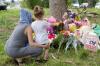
20, 44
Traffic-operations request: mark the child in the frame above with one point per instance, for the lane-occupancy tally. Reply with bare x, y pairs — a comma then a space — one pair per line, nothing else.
39, 26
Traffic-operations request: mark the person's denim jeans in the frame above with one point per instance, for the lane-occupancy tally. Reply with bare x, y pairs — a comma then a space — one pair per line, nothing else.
25, 16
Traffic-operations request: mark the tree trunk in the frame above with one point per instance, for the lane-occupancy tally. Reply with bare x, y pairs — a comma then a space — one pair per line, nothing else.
57, 8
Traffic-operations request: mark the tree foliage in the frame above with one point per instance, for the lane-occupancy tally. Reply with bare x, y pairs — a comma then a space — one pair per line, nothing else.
68, 3
31, 3
45, 3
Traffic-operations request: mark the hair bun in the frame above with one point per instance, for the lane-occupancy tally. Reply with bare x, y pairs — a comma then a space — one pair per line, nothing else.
36, 9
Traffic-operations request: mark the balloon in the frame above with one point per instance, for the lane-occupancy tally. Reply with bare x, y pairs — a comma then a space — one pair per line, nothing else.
51, 20
50, 28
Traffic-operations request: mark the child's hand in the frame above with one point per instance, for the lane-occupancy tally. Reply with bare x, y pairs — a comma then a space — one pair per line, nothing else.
57, 23
46, 46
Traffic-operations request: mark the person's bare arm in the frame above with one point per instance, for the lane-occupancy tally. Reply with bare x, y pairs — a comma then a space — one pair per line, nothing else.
55, 24
30, 39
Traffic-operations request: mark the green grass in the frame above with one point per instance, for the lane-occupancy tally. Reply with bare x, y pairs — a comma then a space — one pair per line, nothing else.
8, 20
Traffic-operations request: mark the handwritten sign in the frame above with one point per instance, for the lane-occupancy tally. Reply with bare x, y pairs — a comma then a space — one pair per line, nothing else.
91, 43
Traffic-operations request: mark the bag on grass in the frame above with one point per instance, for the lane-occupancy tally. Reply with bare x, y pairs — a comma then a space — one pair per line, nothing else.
96, 29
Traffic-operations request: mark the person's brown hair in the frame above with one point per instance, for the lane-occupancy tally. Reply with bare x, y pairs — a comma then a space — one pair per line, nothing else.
38, 11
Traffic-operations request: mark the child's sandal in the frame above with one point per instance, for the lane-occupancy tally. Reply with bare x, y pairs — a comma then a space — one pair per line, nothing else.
21, 64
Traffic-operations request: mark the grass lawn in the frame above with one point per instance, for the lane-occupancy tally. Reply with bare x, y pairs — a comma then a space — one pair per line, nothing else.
9, 19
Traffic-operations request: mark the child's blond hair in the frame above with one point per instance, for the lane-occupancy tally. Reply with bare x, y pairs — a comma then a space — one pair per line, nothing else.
38, 12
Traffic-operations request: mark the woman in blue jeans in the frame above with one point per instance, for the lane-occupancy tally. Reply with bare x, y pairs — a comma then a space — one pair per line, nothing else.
16, 46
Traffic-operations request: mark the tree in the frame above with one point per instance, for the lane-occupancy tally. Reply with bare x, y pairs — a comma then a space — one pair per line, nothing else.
69, 3
45, 3
57, 8
31, 3
81, 1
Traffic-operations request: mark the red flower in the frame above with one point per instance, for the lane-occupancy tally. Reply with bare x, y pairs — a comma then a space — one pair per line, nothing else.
51, 36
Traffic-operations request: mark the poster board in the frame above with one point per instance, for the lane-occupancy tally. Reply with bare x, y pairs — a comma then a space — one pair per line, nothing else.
91, 42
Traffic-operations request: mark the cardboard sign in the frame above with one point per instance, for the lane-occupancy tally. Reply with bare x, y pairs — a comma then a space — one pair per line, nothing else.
91, 43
